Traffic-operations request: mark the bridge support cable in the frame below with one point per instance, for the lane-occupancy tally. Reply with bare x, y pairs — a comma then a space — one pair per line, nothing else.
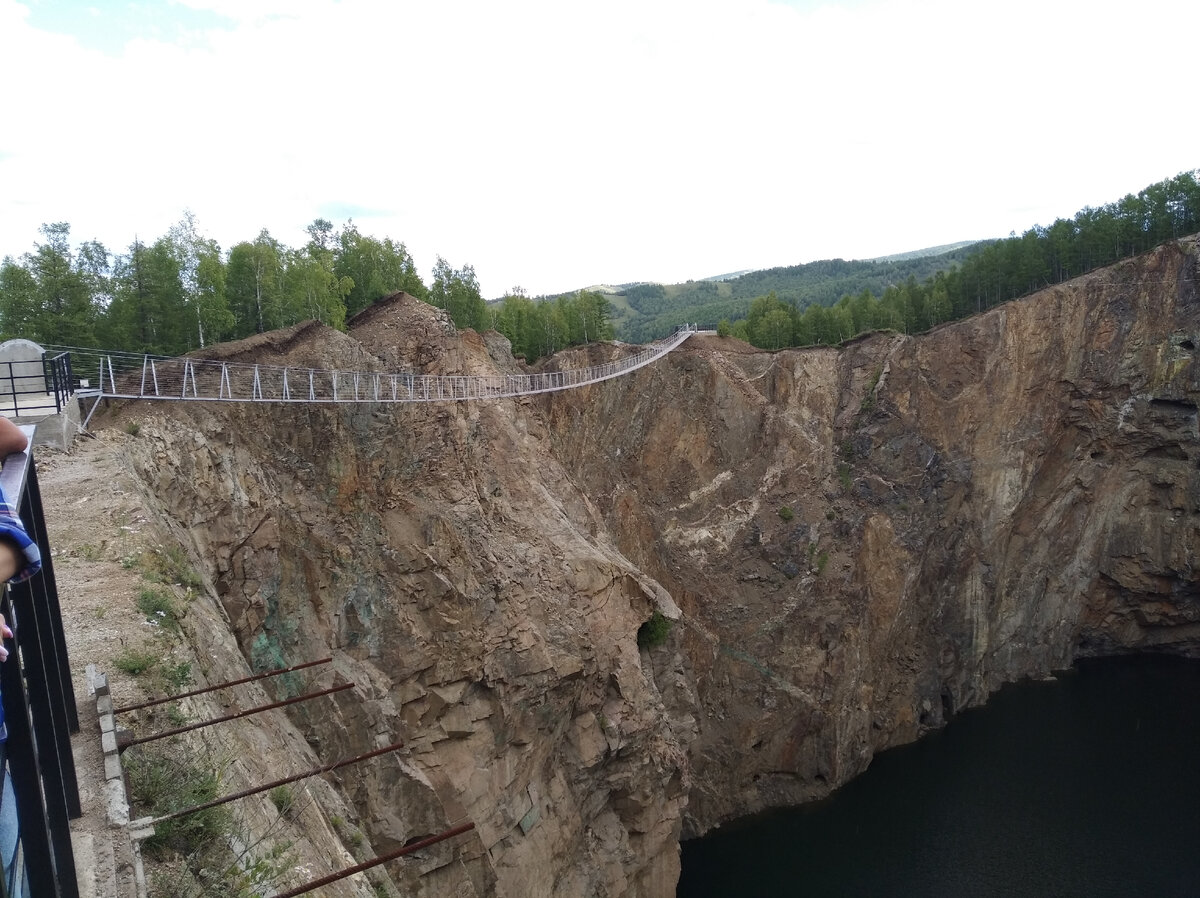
196, 379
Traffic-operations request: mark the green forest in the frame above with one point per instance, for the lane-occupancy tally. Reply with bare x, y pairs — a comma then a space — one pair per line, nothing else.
990, 274
183, 292
647, 311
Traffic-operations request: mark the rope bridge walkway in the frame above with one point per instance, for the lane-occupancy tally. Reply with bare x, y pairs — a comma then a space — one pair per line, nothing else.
129, 376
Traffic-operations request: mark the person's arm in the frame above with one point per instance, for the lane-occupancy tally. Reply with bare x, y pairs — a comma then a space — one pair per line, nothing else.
11, 438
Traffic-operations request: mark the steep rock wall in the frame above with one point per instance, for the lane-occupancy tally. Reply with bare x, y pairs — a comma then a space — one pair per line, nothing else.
867, 540
469, 590
862, 542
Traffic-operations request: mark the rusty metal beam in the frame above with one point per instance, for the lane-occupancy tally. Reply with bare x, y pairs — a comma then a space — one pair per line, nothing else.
383, 859
182, 695
272, 785
195, 726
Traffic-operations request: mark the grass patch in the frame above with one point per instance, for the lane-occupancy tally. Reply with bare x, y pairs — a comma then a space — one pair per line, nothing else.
207, 854
133, 428
170, 564
158, 606
163, 780
176, 676
786, 513
135, 661
283, 799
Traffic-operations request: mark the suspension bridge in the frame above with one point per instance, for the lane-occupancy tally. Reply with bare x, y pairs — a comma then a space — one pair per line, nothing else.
131, 376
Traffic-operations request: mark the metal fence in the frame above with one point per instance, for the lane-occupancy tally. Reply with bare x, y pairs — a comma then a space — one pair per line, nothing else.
40, 790
36, 387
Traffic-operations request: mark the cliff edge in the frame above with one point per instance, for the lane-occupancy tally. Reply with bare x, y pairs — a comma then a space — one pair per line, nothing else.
854, 544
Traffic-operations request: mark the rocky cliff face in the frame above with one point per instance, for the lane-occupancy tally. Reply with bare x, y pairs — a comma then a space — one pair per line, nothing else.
856, 542
866, 540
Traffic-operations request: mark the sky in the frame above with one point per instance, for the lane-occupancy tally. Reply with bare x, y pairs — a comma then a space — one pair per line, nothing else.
555, 145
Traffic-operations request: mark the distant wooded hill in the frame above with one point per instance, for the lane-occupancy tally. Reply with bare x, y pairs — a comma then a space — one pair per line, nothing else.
644, 312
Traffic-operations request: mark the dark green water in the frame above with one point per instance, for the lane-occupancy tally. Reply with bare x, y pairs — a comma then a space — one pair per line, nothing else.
1086, 786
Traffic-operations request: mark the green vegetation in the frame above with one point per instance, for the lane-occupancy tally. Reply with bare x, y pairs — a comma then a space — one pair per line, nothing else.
175, 716
654, 309
177, 676
844, 476
170, 564
653, 632
166, 779
983, 276
283, 798
538, 328
868, 400
786, 513
135, 661
158, 606
183, 291
205, 854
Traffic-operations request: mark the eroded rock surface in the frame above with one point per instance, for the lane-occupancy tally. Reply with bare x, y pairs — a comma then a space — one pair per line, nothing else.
857, 542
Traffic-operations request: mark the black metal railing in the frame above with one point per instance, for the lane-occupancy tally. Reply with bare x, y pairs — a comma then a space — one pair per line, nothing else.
59, 379
36, 386
40, 790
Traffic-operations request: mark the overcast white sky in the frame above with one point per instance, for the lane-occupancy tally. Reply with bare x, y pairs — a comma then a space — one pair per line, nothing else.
559, 144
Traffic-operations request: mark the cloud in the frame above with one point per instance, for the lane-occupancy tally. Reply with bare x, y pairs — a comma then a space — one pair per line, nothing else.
556, 145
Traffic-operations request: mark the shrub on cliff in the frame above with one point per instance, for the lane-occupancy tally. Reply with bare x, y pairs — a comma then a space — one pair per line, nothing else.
654, 631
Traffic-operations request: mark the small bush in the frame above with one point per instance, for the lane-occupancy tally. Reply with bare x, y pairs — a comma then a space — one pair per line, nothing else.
176, 716
282, 798
158, 607
133, 428
176, 676
654, 631
205, 854
170, 564
135, 661
844, 477
162, 780
786, 513
822, 560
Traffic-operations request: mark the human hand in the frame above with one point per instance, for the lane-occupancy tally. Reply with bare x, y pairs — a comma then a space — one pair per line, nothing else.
5, 633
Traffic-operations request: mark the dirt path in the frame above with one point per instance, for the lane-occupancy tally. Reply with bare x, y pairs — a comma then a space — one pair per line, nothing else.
100, 536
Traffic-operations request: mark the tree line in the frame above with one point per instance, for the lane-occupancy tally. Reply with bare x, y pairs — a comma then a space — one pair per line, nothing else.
652, 310
541, 327
993, 273
181, 292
